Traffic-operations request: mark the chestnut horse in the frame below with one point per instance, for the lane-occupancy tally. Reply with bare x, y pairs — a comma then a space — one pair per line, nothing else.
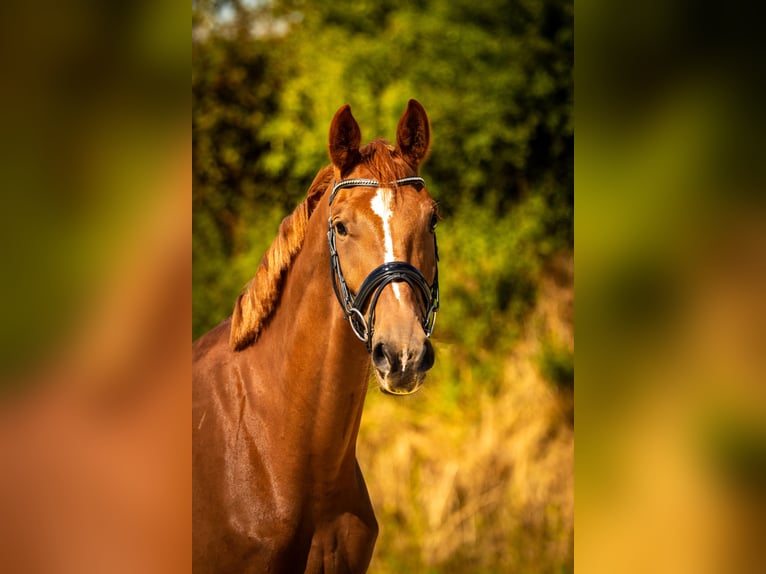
351, 278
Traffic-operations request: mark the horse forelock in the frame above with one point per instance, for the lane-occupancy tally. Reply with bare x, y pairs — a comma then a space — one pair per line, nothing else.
258, 300
383, 161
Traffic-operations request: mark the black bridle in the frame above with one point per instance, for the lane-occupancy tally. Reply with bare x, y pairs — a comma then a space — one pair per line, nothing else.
391, 272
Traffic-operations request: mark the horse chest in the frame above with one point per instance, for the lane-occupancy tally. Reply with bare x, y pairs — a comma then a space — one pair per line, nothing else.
344, 544
296, 541
282, 517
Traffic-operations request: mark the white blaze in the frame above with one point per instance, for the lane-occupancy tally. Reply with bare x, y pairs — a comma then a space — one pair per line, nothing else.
381, 206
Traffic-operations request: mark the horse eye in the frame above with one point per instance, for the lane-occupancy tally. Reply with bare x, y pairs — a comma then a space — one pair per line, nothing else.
340, 229
434, 220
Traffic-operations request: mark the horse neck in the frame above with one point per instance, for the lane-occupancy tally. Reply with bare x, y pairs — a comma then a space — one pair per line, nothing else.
320, 365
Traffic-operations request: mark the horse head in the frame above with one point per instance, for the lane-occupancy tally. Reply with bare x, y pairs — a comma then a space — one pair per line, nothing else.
381, 232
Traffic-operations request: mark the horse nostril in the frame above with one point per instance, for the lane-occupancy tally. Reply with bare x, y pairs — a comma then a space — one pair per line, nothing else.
384, 359
426, 357
380, 358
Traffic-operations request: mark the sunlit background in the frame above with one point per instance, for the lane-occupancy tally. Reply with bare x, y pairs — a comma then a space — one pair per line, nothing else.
475, 473
671, 278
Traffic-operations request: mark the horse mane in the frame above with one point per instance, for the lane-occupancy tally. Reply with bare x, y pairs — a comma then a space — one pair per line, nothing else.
258, 300
260, 296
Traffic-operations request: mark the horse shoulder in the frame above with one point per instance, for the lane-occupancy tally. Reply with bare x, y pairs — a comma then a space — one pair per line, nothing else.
242, 520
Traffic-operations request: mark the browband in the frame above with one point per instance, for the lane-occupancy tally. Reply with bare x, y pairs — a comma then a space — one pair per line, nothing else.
359, 182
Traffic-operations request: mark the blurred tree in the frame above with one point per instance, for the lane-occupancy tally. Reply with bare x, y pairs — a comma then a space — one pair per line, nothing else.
234, 88
496, 78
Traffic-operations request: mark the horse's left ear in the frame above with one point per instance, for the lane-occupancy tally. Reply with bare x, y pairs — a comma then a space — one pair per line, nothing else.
413, 135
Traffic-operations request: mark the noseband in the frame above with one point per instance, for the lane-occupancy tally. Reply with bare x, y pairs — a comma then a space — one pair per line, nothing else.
391, 272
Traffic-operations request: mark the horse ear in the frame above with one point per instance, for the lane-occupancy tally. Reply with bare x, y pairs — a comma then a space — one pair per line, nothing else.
345, 138
413, 135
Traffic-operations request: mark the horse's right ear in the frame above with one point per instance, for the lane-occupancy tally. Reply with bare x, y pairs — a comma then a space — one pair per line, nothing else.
413, 134
345, 138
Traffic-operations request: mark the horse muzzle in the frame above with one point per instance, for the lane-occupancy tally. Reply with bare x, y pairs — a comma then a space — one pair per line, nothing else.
402, 369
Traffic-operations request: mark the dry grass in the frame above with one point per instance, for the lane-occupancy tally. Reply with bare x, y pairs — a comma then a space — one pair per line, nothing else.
488, 488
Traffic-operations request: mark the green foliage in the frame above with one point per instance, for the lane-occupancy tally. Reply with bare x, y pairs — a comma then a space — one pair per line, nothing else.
217, 279
556, 363
488, 281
